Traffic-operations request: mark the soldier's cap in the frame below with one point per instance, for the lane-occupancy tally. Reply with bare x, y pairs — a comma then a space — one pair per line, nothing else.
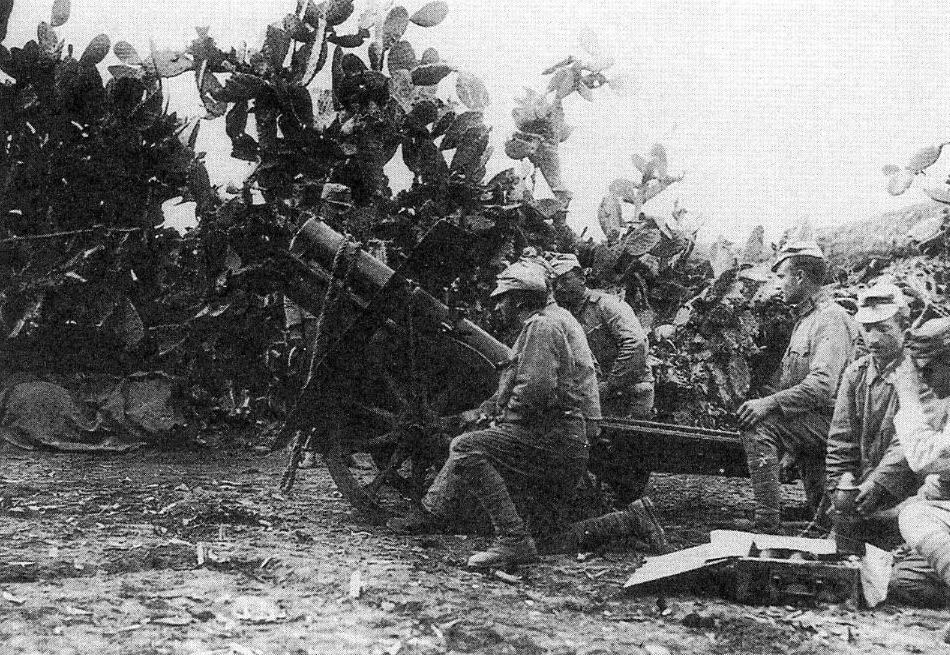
563, 262
523, 275
931, 340
795, 248
533, 255
880, 302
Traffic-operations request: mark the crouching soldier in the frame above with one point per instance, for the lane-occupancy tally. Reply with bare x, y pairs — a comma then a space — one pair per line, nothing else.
922, 382
796, 418
860, 441
545, 407
616, 338
621, 350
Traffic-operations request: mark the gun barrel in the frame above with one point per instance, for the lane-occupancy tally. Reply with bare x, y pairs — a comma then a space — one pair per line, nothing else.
318, 242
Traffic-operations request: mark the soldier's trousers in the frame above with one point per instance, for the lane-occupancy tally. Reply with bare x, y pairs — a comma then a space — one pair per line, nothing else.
544, 461
615, 462
637, 402
803, 435
922, 577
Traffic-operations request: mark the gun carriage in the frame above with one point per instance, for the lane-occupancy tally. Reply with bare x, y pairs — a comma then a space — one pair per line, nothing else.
401, 365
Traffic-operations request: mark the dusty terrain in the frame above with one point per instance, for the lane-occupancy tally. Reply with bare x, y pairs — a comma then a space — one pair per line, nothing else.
196, 552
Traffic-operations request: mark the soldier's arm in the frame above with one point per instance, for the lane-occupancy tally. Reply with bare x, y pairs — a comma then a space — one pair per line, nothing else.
894, 473
628, 334
535, 381
830, 352
844, 451
926, 449
924, 440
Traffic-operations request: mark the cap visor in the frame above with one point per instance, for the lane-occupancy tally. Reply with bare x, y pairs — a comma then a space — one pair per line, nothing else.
875, 314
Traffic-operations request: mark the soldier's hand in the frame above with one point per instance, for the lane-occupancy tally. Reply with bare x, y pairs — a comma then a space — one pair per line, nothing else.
869, 498
752, 412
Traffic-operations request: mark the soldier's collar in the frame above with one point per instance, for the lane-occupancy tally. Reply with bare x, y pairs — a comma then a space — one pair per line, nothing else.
807, 306
874, 371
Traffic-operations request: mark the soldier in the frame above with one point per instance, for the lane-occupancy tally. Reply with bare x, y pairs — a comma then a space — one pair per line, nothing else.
621, 351
545, 407
860, 441
922, 382
796, 418
616, 338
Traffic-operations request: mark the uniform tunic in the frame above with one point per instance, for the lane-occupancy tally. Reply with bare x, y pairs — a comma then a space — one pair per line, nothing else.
538, 440
819, 349
861, 438
621, 349
551, 371
923, 434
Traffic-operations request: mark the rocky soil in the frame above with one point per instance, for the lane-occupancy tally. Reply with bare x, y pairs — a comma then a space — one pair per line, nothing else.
196, 552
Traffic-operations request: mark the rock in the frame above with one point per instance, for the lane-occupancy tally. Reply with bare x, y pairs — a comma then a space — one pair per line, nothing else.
692, 620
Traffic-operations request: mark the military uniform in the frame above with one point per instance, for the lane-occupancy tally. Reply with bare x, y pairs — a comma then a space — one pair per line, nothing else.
861, 441
820, 348
923, 432
621, 349
923, 575
547, 399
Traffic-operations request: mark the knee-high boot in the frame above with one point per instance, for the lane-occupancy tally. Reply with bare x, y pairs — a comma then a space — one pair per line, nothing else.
812, 470
763, 472
487, 485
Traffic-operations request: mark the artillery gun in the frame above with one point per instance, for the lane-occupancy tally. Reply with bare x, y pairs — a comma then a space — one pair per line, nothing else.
401, 365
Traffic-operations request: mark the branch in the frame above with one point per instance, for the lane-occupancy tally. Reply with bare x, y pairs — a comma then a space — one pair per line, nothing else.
95, 229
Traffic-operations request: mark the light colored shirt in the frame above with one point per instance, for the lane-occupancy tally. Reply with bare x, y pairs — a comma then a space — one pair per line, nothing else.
821, 346
922, 429
551, 372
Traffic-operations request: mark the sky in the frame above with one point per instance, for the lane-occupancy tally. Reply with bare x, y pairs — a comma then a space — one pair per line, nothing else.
775, 112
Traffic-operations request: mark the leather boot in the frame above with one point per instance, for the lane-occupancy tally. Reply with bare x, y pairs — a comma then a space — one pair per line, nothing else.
637, 520
813, 479
648, 524
504, 553
513, 544
417, 521
763, 472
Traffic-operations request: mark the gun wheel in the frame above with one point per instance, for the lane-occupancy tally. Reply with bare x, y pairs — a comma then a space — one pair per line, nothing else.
387, 439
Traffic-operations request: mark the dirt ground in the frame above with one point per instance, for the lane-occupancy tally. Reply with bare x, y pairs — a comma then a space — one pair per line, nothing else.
197, 552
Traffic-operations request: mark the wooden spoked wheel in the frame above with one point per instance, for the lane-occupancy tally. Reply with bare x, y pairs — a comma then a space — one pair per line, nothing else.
388, 433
